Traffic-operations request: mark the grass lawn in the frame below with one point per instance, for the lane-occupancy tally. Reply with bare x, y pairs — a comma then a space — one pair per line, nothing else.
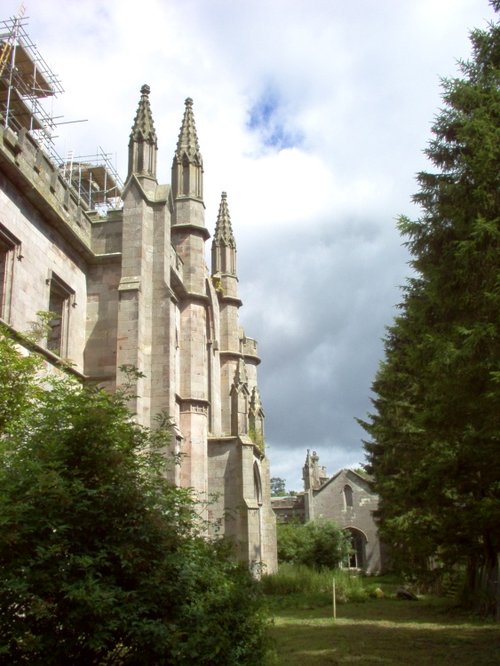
385, 631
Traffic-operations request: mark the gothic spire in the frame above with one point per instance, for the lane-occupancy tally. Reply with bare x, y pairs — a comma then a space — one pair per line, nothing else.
143, 145
143, 127
223, 244
187, 167
223, 229
187, 144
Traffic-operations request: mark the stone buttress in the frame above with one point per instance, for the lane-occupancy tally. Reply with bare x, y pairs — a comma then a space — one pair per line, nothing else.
236, 452
179, 326
145, 328
188, 238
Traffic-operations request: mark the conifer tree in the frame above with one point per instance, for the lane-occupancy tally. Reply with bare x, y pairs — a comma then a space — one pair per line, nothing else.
434, 446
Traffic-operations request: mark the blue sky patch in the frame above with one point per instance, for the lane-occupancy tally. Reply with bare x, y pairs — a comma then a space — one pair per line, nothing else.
266, 117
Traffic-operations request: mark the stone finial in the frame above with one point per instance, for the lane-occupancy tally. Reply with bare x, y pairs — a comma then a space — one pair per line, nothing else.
143, 146
187, 144
143, 128
223, 228
223, 244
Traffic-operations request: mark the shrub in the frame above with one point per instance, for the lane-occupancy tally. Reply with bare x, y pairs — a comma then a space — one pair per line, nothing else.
316, 544
102, 560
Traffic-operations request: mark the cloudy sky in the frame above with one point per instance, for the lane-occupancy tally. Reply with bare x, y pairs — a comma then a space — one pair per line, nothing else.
313, 116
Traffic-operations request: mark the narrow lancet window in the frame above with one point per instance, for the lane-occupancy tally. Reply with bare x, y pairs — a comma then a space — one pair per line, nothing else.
347, 496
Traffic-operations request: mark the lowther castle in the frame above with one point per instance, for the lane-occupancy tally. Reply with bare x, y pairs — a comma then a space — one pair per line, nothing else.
123, 270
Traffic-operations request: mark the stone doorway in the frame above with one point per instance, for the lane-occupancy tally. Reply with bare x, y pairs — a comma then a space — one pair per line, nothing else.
357, 557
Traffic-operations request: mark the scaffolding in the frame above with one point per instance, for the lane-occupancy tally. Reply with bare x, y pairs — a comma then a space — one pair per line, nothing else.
26, 81
95, 180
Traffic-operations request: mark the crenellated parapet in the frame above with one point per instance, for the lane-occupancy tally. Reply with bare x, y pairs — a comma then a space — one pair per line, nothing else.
248, 347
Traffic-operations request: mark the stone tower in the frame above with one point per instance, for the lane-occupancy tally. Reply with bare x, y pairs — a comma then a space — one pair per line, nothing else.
133, 289
199, 365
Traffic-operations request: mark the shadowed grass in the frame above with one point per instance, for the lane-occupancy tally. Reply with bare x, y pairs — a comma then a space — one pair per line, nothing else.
386, 631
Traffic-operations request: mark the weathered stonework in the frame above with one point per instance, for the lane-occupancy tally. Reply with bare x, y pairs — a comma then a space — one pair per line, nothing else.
134, 289
348, 499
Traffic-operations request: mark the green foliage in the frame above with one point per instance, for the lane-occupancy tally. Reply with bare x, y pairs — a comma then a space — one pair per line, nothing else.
257, 438
17, 389
102, 560
315, 544
277, 487
312, 585
436, 422
39, 329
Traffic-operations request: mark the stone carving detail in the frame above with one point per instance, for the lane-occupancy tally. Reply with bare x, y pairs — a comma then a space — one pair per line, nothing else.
313, 474
256, 419
240, 400
187, 168
193, 406
143, 144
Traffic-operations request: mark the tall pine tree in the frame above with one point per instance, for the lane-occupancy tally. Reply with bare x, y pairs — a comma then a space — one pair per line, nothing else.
434, 446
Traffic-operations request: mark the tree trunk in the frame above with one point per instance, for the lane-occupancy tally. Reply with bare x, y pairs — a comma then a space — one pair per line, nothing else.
482, 585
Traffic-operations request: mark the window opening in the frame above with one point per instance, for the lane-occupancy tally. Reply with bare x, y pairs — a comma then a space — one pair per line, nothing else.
60, 300
356, 559
9, 247
348, 496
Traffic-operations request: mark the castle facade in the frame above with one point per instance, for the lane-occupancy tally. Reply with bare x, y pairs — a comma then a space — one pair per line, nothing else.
128, 285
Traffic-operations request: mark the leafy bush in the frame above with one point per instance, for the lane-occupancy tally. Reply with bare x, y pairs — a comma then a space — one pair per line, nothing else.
17, 388
102, 560
316, 544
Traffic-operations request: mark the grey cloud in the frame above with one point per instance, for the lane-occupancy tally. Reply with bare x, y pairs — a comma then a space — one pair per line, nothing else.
341, 285
358, 84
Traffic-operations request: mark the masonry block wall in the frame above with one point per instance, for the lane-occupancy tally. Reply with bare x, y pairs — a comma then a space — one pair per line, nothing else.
130, 286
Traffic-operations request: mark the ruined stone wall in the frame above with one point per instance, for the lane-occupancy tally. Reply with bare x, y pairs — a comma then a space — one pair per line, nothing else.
330, 503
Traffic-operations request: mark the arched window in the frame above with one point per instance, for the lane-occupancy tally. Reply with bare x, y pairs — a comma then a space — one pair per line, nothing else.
347, 496
357, 557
